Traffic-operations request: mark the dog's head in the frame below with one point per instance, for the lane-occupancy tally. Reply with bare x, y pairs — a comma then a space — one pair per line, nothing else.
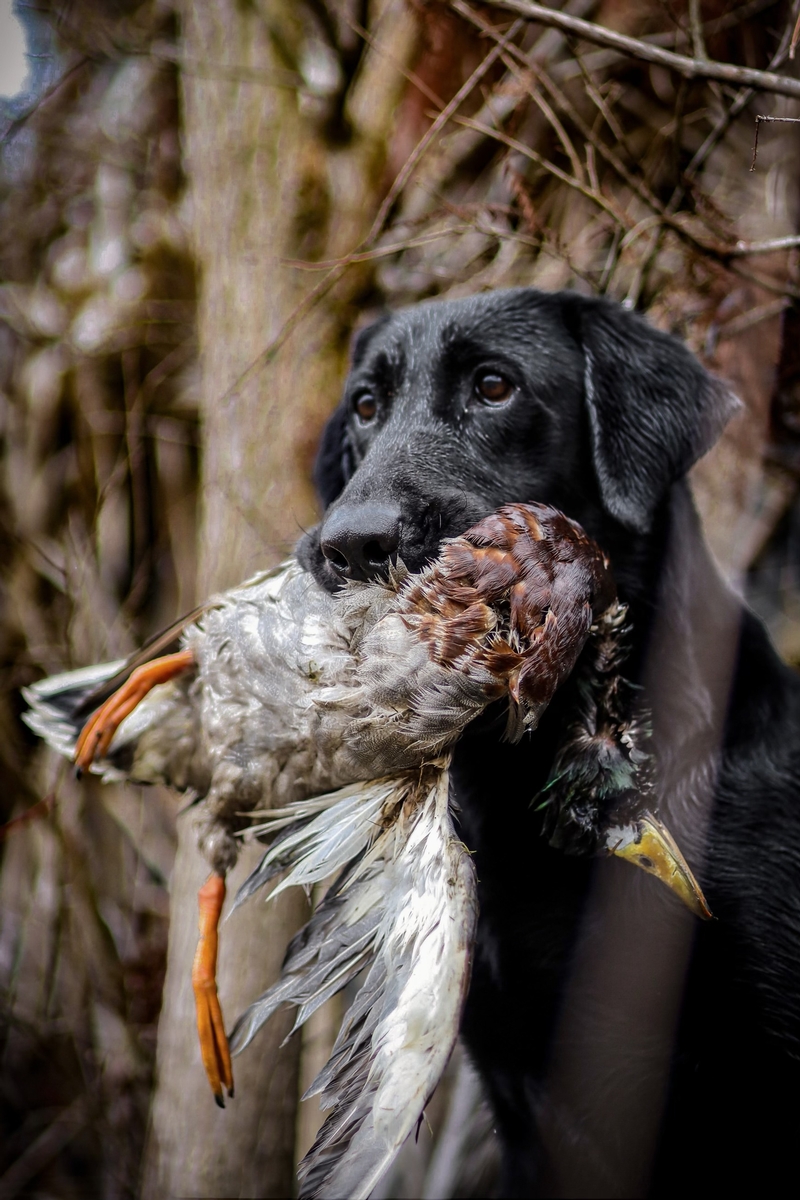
453, 408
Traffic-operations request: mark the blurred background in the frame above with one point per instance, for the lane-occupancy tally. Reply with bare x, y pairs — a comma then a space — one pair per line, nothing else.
199, 204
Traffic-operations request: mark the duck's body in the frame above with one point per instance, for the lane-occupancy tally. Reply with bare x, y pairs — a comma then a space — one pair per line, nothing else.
285, 691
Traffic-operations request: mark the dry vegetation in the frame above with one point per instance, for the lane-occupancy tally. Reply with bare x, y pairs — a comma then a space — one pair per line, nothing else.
509, 153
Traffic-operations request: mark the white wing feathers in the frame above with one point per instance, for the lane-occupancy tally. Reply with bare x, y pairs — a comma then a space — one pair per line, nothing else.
406, 903
324, 834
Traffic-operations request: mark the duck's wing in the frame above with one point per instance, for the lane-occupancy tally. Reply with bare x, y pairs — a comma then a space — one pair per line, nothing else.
61, 704
406, 907
160, 739
159, 742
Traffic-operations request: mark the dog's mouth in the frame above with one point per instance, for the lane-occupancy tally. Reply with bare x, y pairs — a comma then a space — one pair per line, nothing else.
335, 558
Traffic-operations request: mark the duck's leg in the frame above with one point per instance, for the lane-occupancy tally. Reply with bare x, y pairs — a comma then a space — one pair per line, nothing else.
97, 733
213, 1042
94, 740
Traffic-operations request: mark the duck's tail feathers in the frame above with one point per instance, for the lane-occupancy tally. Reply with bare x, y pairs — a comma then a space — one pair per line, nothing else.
57, 710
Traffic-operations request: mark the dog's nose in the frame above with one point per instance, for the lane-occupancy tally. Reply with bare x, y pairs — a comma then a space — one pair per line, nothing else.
360, 541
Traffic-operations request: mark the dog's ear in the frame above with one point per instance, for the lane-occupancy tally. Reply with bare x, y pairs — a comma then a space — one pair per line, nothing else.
334, 463
653, 410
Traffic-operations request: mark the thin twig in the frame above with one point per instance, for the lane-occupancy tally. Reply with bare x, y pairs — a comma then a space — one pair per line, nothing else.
634, 182
41, 101
50, 1142
776, 289
377, 251
637, 185
726, 120
769, 120
498, 136
491, 230
290, 324
696, 26
172, 362
715, 136
667, 214
610, 264
603, 107
690, 68
755, 316
552, 118
413, 78
591, 167
744, 249
501, 106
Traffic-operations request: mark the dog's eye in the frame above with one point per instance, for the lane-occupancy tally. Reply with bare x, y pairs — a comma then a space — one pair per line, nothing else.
494, 387
365, 406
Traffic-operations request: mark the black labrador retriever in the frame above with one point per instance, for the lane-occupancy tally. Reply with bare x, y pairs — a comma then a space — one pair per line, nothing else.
626, 1049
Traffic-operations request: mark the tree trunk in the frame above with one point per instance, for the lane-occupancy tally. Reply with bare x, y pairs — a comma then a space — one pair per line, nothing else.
256, 151
243, 147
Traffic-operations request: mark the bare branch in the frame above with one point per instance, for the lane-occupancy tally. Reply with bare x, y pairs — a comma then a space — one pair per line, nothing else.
379, 48
42, 808
726, 120
696, 26
41, 101
759, 121
637, 185
744, 249
67, 1125
596, 197
714, 138
666, 214
553, 120
755, 316
378, 252
690, 68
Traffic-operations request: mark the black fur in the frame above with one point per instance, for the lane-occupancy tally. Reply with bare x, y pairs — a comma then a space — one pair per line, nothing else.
626, 1049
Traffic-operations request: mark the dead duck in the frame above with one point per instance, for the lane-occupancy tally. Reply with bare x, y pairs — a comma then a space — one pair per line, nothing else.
280, 693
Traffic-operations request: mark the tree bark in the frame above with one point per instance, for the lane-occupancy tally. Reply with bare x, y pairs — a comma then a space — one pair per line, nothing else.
256, 151
244, 143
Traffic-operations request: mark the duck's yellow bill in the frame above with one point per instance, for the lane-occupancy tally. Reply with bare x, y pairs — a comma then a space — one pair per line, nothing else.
648, 844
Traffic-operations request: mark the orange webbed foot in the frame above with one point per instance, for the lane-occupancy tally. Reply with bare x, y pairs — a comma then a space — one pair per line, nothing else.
210, 1028
99, 730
